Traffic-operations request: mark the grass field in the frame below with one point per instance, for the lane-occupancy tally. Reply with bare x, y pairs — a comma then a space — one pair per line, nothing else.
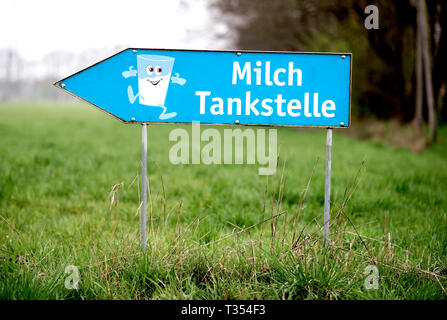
207, 239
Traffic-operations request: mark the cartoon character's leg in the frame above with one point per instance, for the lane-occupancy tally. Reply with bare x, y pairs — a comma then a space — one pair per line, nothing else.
165, 115
131, 96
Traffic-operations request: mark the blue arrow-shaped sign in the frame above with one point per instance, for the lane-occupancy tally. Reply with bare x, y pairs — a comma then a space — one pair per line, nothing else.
219, 87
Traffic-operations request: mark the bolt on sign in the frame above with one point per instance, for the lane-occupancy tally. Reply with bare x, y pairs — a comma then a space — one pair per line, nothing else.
292, 89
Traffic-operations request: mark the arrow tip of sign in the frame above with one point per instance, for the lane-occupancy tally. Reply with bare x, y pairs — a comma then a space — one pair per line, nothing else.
59, 84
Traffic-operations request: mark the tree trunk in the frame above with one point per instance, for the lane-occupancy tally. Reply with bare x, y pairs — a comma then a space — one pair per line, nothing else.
418, 117
422, 20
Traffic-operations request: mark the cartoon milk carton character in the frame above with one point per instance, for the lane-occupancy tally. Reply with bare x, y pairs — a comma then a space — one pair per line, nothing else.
154, 75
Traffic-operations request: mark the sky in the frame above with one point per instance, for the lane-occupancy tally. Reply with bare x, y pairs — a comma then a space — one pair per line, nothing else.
34, 28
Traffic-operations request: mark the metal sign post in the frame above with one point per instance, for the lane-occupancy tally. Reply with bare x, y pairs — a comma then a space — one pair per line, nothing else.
143, 185
327, 186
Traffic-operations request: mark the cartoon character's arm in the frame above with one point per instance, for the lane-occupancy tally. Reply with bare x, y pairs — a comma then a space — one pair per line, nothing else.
129, 73
178, 80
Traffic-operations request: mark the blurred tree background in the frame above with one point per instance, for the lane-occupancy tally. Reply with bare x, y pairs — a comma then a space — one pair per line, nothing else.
399, 72
385, 74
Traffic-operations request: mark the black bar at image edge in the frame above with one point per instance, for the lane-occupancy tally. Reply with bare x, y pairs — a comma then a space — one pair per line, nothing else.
227, 309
